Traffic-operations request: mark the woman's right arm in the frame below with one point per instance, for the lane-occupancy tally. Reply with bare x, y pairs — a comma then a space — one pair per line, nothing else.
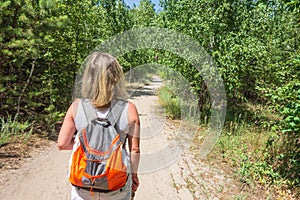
65, 139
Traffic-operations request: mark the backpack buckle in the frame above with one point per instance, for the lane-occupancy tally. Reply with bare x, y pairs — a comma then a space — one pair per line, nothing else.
102, 121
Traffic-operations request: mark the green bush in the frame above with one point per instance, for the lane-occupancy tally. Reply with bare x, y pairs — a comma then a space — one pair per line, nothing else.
288, 153
170, 102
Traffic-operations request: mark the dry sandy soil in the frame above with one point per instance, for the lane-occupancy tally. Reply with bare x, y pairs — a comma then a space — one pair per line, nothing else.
44, 174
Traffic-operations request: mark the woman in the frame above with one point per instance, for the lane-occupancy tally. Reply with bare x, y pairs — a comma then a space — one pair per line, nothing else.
102, 82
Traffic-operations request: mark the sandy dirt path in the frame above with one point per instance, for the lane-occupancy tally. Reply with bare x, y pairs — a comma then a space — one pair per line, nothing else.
44, 176
156, 182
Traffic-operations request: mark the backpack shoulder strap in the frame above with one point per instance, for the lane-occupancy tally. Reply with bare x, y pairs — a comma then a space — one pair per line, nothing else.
115, 111
89, 111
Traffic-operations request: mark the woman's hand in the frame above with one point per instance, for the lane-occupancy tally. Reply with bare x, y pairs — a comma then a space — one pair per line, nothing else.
135, 182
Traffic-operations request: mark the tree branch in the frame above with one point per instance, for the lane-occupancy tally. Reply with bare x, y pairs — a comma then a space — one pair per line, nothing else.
24, 88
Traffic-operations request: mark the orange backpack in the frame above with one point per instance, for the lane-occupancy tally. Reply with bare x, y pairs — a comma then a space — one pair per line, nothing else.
99, 160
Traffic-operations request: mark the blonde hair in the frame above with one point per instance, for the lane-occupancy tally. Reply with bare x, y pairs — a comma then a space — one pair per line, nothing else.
103, 80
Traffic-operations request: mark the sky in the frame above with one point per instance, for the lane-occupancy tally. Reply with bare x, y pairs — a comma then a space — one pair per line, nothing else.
136, 2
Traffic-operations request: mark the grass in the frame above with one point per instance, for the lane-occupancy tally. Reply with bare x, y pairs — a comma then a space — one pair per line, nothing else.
246, 152
242, 151
13, 129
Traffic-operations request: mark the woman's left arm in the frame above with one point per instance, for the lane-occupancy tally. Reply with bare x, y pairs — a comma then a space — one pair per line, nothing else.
65, 139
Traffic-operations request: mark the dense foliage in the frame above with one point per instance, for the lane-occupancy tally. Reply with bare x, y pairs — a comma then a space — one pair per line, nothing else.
255, 45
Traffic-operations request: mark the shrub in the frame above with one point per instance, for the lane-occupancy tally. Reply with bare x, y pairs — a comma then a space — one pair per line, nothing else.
170, 102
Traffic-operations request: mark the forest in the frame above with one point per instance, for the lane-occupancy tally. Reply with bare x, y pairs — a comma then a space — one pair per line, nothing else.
255, 46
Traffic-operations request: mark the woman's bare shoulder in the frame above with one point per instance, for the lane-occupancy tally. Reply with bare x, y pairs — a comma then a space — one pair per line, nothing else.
76, 102
132, 107
73, 107
133, 115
